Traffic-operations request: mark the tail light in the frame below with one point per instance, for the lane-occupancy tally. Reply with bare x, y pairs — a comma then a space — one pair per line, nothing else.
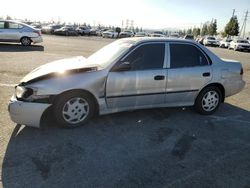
241, 71
38, 32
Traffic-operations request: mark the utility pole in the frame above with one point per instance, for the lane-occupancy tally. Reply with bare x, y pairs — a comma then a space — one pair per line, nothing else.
243, 27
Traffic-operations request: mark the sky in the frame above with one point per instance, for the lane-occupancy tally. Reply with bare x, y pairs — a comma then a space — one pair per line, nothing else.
151, 14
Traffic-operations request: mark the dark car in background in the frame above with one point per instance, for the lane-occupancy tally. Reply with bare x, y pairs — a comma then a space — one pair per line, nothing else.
49, 29
66, 31
189, 37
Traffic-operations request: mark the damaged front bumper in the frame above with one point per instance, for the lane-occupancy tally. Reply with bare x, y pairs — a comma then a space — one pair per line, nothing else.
26, 113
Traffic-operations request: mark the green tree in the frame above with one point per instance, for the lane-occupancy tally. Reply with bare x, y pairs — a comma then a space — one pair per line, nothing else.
189, 31
214, 26
232, 27
204, 30
8, 17
223, 34
196, 32
136, 29
141, 29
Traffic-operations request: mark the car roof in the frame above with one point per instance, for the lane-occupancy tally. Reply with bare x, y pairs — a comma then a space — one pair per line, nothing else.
18, 22
138, 40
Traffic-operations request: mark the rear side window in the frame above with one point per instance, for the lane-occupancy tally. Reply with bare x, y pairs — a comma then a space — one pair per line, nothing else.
13, 25
185, 55
1, 25
148, 56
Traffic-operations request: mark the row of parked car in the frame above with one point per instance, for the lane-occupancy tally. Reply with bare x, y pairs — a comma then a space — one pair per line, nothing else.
236, 44
69, 30
13, 31
85, 30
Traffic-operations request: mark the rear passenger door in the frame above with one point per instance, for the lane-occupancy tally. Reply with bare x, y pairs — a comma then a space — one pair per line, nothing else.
13, 31
189, 71
2, 31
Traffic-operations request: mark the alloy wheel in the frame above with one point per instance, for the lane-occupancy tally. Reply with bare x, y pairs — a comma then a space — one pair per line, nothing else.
75, 110
210, 101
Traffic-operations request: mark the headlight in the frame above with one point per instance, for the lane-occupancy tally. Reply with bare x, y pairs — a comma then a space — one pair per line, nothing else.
19, 91
22, 92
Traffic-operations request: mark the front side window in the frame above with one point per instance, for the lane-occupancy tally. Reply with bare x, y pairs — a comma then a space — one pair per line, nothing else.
148, 56
185, 55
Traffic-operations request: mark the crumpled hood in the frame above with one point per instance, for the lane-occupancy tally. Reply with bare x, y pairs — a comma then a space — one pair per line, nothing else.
59, 66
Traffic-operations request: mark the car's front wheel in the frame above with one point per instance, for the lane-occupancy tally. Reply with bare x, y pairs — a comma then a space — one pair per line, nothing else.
208, 100
73, 109
25, 41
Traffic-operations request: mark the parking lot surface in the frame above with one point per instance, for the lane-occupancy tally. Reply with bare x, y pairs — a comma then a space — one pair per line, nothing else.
167, 147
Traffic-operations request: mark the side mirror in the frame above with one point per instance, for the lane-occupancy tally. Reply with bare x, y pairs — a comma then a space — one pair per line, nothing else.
123, 66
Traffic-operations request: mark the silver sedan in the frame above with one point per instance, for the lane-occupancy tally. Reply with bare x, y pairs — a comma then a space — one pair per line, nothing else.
13, 31
134, 73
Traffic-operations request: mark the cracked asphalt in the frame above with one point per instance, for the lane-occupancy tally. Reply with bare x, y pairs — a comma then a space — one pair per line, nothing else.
166, 147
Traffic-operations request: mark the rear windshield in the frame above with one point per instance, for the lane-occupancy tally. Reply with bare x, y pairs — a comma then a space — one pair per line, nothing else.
211, 38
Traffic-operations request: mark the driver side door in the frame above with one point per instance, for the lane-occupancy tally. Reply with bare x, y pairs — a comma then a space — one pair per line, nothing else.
144, 83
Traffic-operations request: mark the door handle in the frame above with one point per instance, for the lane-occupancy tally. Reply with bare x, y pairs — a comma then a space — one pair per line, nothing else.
206, 74
159, 77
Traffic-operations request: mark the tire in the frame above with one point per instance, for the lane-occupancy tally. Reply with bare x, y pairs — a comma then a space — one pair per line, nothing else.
206, 105
73, 109
25, 41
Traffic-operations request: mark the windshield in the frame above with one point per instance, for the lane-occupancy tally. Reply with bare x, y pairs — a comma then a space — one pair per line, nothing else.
242, 41
211, 38
158, 32
109, 53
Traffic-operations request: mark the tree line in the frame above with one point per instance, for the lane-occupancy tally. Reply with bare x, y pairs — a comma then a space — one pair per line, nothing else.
210, 28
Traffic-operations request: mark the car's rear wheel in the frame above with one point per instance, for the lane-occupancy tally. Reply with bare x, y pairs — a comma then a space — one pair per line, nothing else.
73, 109
25, 41
208, 101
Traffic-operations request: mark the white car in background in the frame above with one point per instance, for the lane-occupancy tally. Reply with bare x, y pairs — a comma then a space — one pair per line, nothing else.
225, 43
210, 41
13, 31
109, 34
141, 34
239, 44
157, 34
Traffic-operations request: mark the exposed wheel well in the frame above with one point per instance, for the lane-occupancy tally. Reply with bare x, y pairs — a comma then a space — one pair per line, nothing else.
79, 90
221, 88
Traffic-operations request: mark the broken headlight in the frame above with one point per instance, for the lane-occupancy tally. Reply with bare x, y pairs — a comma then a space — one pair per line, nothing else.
22, 92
